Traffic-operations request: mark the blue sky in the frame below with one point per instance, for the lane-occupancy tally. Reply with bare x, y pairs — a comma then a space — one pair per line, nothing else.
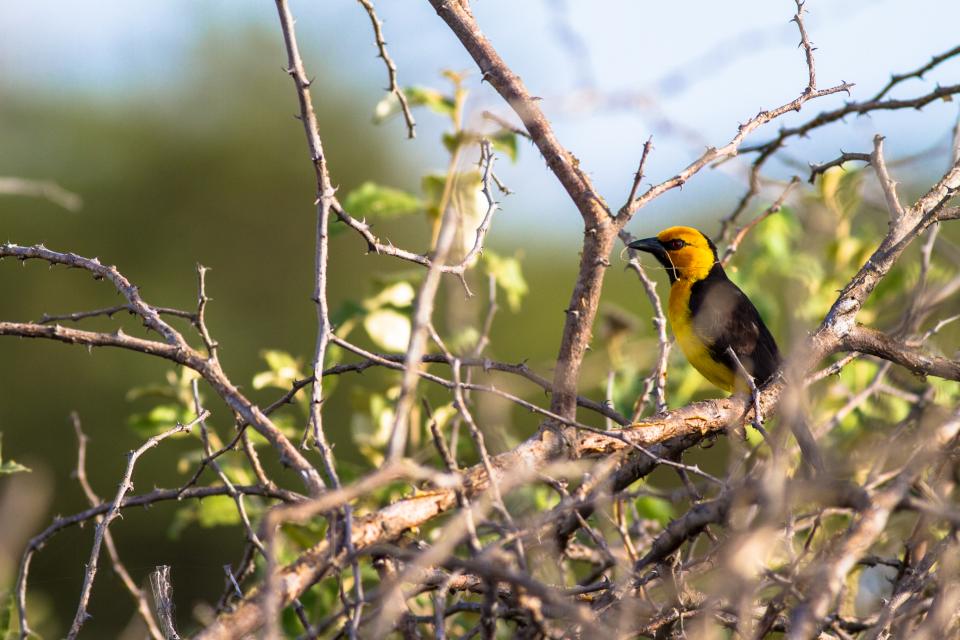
609, 71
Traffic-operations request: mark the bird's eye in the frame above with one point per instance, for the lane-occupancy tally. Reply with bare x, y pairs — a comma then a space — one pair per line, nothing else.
673, 245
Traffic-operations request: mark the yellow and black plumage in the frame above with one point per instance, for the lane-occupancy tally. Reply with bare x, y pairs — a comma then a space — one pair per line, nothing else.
709, 313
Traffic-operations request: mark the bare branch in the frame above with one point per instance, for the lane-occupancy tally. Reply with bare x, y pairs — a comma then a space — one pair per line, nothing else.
886, 182
45, 189
138, 596
827, 576
769, 211
126, 485
896, 79
877, 343
393, 88
175, 348
850, 108
163, 598
817, 169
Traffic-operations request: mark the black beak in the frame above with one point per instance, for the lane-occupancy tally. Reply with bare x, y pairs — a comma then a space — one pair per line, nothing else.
655, 247
650, 245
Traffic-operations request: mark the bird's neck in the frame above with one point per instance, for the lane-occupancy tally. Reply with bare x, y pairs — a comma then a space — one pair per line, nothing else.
696, 271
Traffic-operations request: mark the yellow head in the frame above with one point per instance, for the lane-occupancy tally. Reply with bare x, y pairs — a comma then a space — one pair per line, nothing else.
687, 254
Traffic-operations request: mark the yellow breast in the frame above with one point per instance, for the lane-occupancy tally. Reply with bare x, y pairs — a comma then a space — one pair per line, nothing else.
693, 347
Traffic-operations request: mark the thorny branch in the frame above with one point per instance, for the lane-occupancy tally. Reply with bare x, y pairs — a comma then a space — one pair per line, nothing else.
393, 87
126, 484
485, 562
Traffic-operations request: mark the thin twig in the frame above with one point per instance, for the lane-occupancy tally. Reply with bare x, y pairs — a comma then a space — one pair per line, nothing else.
393, 87
143, 608
126, 485
744, 230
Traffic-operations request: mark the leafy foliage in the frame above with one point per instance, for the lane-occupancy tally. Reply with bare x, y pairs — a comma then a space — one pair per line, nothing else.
9, 466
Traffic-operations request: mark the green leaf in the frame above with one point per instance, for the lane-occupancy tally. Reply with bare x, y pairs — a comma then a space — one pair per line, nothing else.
159, 419
505, 141
283, 370
6, 618
212, 511
371, 423
10, 466
389, 329
217, 511
654, 508
151, 391
452, 141
509, 277
399, 295
464, 340
432, 186
840, 189
349, 310
774, 233
374, 200
431, 99
416, 97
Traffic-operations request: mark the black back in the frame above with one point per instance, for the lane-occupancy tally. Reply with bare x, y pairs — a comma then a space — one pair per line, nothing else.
724, 317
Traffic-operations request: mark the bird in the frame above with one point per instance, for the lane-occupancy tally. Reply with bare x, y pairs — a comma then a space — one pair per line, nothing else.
709, 314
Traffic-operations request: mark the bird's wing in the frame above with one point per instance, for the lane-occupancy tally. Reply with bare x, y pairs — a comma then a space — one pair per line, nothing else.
724, 317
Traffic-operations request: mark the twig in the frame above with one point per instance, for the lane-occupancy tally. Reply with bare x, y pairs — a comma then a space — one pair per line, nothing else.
850, 108
174, 348
818, 169
46, 189
876, 343
393, 88
163, 599
886, 182
450, 385
109, 312
486, 168
656, 382
126, 485
422, 313
505, 124
638, 176
200, 318
807, 47
81, 473
896, 79
744, 230
828, 575
754, 393
713, 155
325, 203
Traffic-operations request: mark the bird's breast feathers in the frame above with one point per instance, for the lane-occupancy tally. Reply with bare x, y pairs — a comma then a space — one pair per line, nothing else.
696, 347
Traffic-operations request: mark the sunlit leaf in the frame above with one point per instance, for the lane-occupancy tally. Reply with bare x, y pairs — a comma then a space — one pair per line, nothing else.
151, 390
371, 424
432, 186
399, 295
159, 419
9, 466
283, 370
7, 617
416, 97
376, 201
654, 508
505, 141
775, 233
389, 329
452, 141
840, 189
509, 277
464, 340
217, 511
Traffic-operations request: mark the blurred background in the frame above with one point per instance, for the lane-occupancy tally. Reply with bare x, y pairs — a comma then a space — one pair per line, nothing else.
174, 123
